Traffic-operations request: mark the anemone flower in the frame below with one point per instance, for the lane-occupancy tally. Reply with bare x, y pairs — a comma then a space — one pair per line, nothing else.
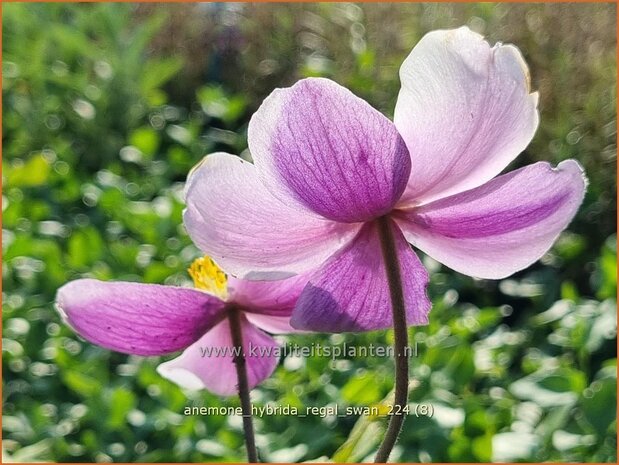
210, 323
338, 188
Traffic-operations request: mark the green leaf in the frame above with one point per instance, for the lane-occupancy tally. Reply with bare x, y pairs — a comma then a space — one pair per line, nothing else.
361, 390
550, 389
82, 384
34, 172
599, 404
461, 366
85, 247
158, 72
482, 448
146, 140
121, 402
217, 104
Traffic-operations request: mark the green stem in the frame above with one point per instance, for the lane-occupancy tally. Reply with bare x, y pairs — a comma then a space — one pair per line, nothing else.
234, 317
400, 332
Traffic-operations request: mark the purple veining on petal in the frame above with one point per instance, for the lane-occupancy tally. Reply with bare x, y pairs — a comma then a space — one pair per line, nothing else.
337, 154
502, 226
351, 292
135, 318
494, 223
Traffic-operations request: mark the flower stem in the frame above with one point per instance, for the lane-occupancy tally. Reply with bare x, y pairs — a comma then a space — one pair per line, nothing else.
234, 317
400, 332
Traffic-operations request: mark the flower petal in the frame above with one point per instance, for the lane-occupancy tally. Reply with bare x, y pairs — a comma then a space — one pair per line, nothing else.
233, 218
135, 318
271, 323
320, 144
351, 292
465, 111
209, 363
501, 227
276, 298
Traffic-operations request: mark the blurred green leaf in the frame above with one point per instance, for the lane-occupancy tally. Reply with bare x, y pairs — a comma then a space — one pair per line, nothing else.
84, 385
121, 402
146, 140
158, 72
361, 390
34, 172
85, 247
550, 389
599, 404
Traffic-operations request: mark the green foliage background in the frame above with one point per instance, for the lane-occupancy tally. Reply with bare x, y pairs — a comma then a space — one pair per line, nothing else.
106, 107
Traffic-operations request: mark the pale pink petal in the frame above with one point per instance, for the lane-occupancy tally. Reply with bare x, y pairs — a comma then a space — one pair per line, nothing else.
351, 293
501, 227
319, 145
232, 217
135, 318
465, 111
276, 298
271, 323
209, 363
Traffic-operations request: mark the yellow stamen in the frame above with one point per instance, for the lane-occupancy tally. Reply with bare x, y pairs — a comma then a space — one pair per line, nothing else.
208, 277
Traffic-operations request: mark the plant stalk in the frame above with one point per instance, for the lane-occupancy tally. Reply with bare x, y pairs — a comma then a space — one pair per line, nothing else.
400, 332
234, 317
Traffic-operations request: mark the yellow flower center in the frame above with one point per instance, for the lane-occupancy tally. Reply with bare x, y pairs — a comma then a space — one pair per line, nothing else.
208, 277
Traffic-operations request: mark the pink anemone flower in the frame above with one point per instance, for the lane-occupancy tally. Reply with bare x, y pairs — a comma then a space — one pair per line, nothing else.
151, 319
329, 170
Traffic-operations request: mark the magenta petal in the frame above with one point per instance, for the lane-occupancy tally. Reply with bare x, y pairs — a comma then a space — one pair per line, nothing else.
134, 318
196, 368
351, 293
501, 227
465, 111
329, 150
234, 219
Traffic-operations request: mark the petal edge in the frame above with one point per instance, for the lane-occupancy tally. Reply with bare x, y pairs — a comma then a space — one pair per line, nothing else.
501, 227
351, 293
465, 111
318, 144
136, 318
234, 219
